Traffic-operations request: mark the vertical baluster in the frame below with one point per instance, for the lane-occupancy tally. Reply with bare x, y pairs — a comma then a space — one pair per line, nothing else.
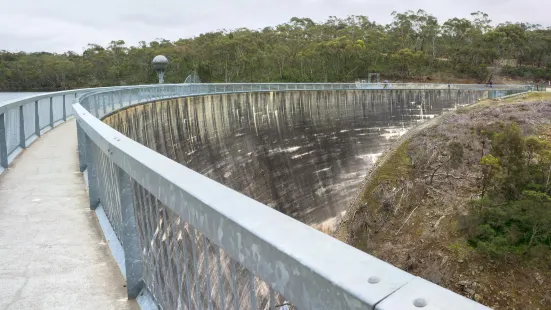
140, 207
233, 263
195, 268
130, 240
253, 294
112, 99
36, 119
165, 252
186, 269
64, 110
272, 298
52, 112
3, 142
175, 253
96, 109
22, 139
158, 242
207, 269
149, 219
220, 279
103, 105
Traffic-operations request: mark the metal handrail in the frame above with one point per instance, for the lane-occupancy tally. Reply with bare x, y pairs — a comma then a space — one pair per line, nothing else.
309, 268
14, 103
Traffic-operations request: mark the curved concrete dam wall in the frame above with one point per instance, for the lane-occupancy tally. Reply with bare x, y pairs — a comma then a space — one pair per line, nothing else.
304, 153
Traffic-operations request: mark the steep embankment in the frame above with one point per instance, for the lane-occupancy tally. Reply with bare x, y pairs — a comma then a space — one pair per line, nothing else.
464, 202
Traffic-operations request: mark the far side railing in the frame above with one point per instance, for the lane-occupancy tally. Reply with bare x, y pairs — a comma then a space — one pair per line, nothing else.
23, 120
192, 243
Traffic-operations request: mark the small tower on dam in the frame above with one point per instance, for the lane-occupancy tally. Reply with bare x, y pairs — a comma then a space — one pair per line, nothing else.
160, 63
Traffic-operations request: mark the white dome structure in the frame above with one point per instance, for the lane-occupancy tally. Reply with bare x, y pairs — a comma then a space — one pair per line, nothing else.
160, 63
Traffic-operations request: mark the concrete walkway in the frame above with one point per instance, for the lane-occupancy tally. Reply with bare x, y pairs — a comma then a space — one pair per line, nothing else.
52, 252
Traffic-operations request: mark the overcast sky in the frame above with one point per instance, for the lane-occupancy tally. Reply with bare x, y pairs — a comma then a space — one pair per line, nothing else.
61, 25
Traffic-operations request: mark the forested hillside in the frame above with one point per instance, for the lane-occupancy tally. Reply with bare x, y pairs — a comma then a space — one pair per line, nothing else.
415, 46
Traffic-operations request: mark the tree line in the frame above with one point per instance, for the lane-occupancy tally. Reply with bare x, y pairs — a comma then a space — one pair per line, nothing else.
414, 46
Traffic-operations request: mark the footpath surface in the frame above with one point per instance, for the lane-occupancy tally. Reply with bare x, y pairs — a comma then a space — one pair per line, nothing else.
52, 252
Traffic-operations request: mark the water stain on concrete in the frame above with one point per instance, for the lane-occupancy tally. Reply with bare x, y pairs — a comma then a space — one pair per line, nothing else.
304, 153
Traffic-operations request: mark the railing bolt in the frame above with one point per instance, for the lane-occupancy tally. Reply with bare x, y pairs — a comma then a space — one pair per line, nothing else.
420, 302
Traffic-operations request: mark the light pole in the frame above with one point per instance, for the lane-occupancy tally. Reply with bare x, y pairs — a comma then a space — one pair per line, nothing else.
160, 63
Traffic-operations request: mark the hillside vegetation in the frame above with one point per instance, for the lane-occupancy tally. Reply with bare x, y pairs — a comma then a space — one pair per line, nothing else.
465, 202
415, 46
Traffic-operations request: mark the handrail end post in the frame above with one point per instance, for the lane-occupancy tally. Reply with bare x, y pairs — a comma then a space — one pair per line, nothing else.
3, 142
52, 112
64, 109
93, 186
22, 136
36, 119
130, 238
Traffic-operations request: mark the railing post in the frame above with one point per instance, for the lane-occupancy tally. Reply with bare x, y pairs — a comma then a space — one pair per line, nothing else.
52, 112
3, 144
93, 186
21, 128
81, 148
64, 110
130, 238
96, 109
36, 119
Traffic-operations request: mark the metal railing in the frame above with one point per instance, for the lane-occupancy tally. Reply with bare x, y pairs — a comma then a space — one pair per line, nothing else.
192, 243
23, 120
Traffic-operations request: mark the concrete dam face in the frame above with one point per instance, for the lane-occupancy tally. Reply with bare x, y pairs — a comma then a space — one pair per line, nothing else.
304, 153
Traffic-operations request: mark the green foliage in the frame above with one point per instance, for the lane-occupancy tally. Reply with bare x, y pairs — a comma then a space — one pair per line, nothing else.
395, 168
528, 72
460, 249
508, 146
514, 214
490, 167
414, 45
515, 226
